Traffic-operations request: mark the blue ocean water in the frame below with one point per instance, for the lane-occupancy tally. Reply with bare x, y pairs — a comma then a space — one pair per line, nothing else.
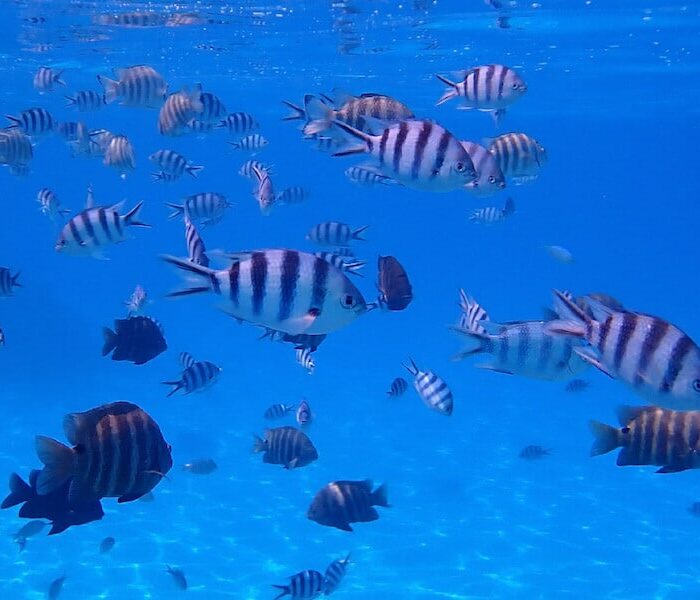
612, 95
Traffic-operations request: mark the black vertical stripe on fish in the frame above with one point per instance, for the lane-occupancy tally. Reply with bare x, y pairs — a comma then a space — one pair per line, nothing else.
647, 436
234, 273
398, 146
440, 152
106, 455
421, 144
503, 148
523, 344
683, 346
475, 85
635, 440
489, 78
102, 214
89, 229
663, 431
676, 440
503, 349
603, 334
545, 352
75, 233
655, 334
318, 290
626, 332
126, 446
382, 147
501, 81
693, 432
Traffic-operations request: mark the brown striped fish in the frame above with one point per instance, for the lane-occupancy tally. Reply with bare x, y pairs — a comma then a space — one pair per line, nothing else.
286, 446
651, 436
118, 451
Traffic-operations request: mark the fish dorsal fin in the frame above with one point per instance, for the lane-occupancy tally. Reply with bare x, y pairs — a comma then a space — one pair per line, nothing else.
232, 257
368, 484
600, 311
90, 200
118, 206
71, 427
627, 414
341, 96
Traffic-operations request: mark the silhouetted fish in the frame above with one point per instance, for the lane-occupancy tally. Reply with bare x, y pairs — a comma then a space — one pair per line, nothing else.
287, 446
55, 588
533, 452
343, 502
136, 339
106, 545
395, 289
202, 466
178, 577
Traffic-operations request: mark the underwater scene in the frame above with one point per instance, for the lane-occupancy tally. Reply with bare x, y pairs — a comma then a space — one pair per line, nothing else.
375, 299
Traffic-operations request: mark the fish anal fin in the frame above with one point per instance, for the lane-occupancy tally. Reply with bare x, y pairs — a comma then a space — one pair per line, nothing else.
588, 356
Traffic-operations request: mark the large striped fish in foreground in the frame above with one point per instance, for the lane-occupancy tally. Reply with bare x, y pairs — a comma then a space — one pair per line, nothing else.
652, 356
343, 502
285, 290
117, 450
525, 348
90, 231
419, 154
650, 435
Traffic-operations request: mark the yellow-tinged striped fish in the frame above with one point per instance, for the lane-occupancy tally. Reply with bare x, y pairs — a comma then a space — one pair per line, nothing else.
650, 435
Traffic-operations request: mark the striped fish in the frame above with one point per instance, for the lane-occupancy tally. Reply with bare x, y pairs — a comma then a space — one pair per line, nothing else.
252, 142
34, 122
263, 193
73, 131
100, 139
490, 215
206, 207
197, 376
45, 79
489, 177
196, 251
398, 387
368, 176
519, 156
418, 154
345, 251
432, 389
49, 205
395, 290
173, 163
344, 263
199, 127
212, 107
178, 110
292, 195
136, 301
304, 358
652, 356
2, 338
246, 169
302, 586
15, 147
650, 435
340, 503
332, 233
285, 290
120, 154
472, 314
335, 572
20, 170
186, 360
8, 281
239, 123
286, 446
118, 451
277, 411
304, 416
140, 86
533, 452
88, 232
86, 101
489, 88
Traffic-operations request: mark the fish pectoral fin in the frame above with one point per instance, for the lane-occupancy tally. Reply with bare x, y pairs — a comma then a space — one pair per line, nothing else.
129, 497
344, 526
58, 462
494, 368
303, 324
588, 356
674, 468
291, 464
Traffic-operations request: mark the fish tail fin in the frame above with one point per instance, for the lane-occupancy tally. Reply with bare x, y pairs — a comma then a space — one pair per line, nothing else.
70, 101
58, 464
354, 267
157, 176
364, 140
194, 169
131, 218
14, 121
320, 115
411, 368
285, 591
450, 92
14, 280
297, 113
607, 438
258, 444
177, 386
477, 342
509, 207
20, 491
205, 273
357, 233
178, 210
110, 341
110, 86
57, 78
379, 496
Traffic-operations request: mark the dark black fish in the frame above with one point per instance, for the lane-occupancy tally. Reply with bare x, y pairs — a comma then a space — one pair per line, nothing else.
395, 291
576, 385
533, 452
398, 387
107, 544
136, 339
503, 22
118, 451
287, 446
202, 466
343, 502
55, 588
53, 506
178, 577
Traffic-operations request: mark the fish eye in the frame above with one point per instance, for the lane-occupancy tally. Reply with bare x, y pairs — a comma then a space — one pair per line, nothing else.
492, 179
696, 385
625, 430
516, 86
459, 167
347, 301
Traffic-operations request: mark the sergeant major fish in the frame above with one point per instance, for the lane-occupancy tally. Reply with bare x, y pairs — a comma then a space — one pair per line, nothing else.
340, 503
8, 282
238, 123
263, 192
395, 290
196, 251
135, 339
489, 177
397, 388
335, 572
174, 164
491, 215
519, 156
197, 376
178, 110
277, 411
119, 154
85, 101
332, 233
35, 122
431, 389
206, 207
45, 79
304, 358
302, 586
286, 446
304, 416
140, 86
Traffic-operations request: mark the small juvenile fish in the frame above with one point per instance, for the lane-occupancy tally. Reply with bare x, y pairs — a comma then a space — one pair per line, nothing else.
196, 377
432, 389
252, 142
533, 452
15, 149
140, 86
196, 251
576, 385
304, 416
55, 588
107, 544
277, 411
263, 192
8, 281
335, 572
174, 164
302, 586
178, 577
286, 446
136, 301
178, 110
86, 101
398, 387
206, 207
45, 78
246, 169
120, 154
49, 204
332, 233
239, 123
212, 107
202, 466
199, 127
395, 290
34, 122
304, 358
292, 195
490, 215
341, 503
560, 254
2, 338
344, 263
368, 176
